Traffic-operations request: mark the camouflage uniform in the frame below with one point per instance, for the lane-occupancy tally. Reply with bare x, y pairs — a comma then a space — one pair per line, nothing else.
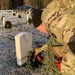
59, 20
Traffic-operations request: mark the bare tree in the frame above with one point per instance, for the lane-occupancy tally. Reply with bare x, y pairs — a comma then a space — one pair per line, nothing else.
9, 4
5, 4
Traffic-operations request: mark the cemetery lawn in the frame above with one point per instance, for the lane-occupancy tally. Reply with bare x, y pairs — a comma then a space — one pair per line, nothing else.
8, 65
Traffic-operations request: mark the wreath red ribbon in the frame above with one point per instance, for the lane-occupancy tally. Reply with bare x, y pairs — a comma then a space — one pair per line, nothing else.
8, 24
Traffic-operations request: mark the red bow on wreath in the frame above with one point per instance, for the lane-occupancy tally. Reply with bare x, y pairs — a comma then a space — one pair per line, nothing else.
58, 62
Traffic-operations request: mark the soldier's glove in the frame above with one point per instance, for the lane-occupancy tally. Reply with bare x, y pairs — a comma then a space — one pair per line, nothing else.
39, 54
37, 50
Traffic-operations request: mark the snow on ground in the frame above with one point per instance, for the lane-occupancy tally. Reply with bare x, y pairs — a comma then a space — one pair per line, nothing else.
8, 64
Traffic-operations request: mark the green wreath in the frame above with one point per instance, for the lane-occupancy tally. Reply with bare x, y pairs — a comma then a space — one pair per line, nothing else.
8, 24
29, 21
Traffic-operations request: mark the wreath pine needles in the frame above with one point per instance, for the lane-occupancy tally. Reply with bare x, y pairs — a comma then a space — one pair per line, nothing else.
49, 67
19, 16
30, 21
32, 62
14, 14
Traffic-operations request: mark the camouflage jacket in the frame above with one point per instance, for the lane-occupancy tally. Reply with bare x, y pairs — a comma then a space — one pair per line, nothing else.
59, 22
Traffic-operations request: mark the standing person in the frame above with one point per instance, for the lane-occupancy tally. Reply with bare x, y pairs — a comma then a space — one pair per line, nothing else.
58, 20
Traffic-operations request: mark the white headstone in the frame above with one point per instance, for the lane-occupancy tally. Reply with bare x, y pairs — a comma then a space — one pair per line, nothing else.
23, 42
29, 16
17, 14
4, 21
6, 12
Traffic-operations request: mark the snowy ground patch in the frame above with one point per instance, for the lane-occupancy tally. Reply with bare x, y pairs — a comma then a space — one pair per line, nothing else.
8, 64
